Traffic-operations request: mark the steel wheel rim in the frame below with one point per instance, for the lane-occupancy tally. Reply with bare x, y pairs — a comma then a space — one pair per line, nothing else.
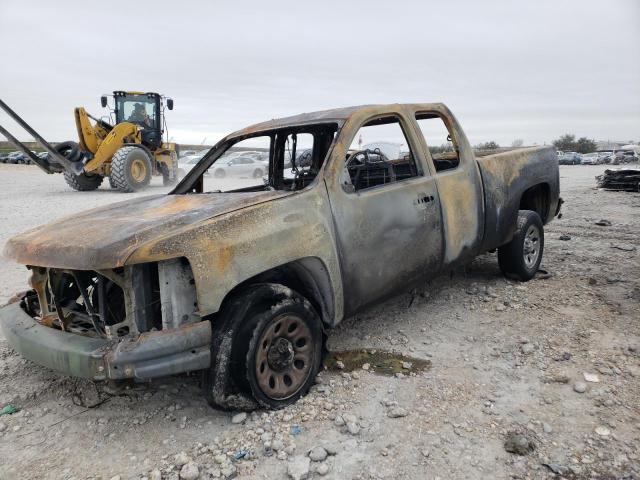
138, 170
283, 357
531, 249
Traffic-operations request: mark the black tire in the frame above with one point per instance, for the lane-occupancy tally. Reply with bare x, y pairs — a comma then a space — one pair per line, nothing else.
111, 184
219, 173
520, 258
232, 381
70, 150
83, 182
126, 163
258, 173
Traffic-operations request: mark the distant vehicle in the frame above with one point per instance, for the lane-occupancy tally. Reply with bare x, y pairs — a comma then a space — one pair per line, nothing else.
16, 157
188, 153
238, 166
604, 156
569, 158
590, 159
623, 156
185, 164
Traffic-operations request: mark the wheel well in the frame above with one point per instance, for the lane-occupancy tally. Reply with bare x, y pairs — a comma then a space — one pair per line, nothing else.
536, 198
307, 276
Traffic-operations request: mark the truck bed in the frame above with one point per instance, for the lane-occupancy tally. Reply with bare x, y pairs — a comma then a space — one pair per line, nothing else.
506, 177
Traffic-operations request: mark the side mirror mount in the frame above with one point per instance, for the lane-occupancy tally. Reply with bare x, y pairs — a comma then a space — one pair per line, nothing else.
170, 103
103, 101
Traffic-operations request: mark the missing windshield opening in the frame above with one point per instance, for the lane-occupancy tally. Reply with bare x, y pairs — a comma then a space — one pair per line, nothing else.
282, 159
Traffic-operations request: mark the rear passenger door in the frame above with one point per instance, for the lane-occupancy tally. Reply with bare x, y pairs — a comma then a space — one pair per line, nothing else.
458, 181
386, 213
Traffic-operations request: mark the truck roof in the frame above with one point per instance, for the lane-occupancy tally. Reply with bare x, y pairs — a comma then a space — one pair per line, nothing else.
336, 114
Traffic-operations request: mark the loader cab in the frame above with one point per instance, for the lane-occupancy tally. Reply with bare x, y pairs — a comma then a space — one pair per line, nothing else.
143, 109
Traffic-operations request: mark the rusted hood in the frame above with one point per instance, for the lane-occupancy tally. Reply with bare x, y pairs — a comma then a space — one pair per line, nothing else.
105, 237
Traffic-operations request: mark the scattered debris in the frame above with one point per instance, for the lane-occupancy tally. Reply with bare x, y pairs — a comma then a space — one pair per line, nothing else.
603, 223
624, 248
9, 409
564, 237
518, 443
240, 454
627, 179
557, 469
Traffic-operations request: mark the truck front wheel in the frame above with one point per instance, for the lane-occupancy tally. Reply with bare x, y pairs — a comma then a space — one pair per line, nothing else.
521, 257
271, 348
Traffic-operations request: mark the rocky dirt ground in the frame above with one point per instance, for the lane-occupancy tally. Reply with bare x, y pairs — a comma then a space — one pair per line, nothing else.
549, 369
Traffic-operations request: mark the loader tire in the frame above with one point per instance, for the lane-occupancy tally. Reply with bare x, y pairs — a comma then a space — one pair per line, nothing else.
130, 169
166, 174
83, 182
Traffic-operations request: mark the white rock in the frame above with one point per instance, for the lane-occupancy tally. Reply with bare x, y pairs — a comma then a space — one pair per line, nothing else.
155, 474
239, 418
407, 365
181, 459
353, 428
317, 454
298, 468
229, 471
3, 426
580, 387
365, 366
603, 431
397, 412
189, 471
340, 365
591, 377
322, 469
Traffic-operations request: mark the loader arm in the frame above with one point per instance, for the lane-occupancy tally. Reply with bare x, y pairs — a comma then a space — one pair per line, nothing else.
89, 135
120, 134
71, 167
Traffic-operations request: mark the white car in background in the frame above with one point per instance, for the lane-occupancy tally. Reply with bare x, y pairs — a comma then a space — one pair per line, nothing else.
238, 166
590, 158
186, 163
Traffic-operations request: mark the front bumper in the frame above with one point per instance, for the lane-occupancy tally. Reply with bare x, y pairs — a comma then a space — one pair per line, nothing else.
149, 355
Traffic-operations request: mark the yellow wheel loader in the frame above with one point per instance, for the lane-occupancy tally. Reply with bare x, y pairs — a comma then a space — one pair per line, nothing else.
128, 152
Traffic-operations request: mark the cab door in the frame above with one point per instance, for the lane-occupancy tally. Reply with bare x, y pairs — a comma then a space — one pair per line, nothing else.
386, 213
458, 181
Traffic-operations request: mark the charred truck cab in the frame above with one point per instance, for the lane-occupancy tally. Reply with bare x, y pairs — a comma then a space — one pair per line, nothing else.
278, 233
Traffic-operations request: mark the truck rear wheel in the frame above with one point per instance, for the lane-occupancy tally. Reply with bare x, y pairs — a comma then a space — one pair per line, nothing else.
269, 349
521, 257
130, 169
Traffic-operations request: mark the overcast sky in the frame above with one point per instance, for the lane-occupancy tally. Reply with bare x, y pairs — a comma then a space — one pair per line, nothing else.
530, 70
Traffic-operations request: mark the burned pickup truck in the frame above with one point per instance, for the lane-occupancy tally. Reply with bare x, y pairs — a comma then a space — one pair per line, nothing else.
242, 275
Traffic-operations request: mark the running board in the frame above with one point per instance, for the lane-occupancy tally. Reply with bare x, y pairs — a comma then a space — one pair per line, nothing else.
72, 167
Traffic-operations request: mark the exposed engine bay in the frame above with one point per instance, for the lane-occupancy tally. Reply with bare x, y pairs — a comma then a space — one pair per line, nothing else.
114, 303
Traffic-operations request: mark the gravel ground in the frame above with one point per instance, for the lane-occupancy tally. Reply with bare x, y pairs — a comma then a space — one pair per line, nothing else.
549, 370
